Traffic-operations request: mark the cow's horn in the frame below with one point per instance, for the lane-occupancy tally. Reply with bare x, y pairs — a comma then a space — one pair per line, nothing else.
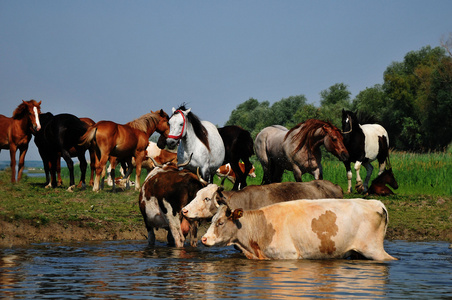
155, 163
185, 163
200, 178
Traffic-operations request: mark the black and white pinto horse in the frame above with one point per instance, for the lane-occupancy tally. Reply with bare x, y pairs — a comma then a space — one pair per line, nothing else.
197, 139
363, 143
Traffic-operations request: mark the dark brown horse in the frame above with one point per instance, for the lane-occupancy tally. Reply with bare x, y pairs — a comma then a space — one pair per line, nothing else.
297, 149
15, 133
238, 145
378, 186
122, 142
60, 137
73, 153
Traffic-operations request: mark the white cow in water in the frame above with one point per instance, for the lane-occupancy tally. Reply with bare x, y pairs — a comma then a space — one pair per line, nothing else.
304, 229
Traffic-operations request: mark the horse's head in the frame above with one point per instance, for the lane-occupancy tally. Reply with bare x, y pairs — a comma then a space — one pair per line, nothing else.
31, 110
162, 127
334, 142
348, 120
177, 127
387, 177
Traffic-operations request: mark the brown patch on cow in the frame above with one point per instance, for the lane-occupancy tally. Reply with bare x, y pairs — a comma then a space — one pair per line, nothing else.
325, 227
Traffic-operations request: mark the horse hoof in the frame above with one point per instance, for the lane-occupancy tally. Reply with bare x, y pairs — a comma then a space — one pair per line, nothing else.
71, 188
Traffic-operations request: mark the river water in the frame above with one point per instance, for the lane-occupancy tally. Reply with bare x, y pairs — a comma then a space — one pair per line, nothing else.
132, 270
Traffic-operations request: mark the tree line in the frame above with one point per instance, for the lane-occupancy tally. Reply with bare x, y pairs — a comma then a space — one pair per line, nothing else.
414, 103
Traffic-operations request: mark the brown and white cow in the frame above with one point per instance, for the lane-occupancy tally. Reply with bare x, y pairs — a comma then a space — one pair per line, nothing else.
304, 229
208, 199
165, 191
225, 171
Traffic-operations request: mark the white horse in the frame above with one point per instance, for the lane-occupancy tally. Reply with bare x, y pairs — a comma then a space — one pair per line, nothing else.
365, 143
200, 138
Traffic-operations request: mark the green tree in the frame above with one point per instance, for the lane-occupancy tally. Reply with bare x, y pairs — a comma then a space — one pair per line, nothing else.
332, 101
419, 103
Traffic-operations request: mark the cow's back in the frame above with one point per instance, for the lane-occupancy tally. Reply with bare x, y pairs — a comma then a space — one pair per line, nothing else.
257, 196
329, 228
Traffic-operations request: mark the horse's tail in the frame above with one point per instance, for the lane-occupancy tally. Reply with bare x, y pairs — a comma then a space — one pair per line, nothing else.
90, 135
383, 153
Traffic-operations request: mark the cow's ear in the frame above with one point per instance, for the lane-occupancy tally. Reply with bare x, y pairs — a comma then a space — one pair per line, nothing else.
237, 214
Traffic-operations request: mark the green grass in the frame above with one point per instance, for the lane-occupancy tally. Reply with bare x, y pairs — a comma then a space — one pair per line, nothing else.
421, 208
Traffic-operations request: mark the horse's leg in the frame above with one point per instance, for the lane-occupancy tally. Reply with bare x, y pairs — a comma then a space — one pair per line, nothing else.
22, 151
70, 164
297, 173
248, 166
137, 176
359, 181
100, 166
58, 171
53, 167
92, 165
109, 179
113, 163
349, 173
12, 155
238, 172
369, 169
83, 167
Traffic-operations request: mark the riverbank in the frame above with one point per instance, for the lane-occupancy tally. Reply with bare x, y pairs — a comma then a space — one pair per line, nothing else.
29, 213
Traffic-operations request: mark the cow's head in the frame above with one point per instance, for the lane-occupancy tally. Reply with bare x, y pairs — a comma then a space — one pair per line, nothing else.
206, 202
224, 227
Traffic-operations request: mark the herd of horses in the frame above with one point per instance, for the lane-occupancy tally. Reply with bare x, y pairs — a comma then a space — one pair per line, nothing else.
199, 143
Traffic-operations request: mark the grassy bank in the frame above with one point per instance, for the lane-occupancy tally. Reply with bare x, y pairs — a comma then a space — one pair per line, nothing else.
421, 209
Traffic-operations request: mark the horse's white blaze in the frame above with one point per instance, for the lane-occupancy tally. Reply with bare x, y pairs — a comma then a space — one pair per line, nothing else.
38, 124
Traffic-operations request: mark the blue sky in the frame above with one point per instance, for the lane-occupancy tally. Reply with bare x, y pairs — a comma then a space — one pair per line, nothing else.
116, 60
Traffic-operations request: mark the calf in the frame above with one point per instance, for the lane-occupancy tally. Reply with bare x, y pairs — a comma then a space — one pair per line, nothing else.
226, 171
304, 229
207, 200
165, 191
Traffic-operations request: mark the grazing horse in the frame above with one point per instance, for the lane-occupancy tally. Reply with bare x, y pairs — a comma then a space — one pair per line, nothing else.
297, 149
238, 145
364, 146
15, 133
122, 142
60, 137
200, 138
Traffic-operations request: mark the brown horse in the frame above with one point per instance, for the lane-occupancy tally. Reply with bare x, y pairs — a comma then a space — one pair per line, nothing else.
378, 186
297, 149
15, 133
122, 142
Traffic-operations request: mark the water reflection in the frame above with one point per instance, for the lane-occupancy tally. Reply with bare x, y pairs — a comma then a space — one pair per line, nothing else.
130, 269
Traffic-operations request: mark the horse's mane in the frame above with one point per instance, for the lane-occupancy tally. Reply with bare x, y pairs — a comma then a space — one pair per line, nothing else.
198, 128
22, 109
305, 133
144, 122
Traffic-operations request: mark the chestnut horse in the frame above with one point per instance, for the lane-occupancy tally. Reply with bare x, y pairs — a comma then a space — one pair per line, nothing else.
122, 142
297, 149
15, 133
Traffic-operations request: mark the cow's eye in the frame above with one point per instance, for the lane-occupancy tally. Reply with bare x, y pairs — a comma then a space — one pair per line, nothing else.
220, 223
207, 199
